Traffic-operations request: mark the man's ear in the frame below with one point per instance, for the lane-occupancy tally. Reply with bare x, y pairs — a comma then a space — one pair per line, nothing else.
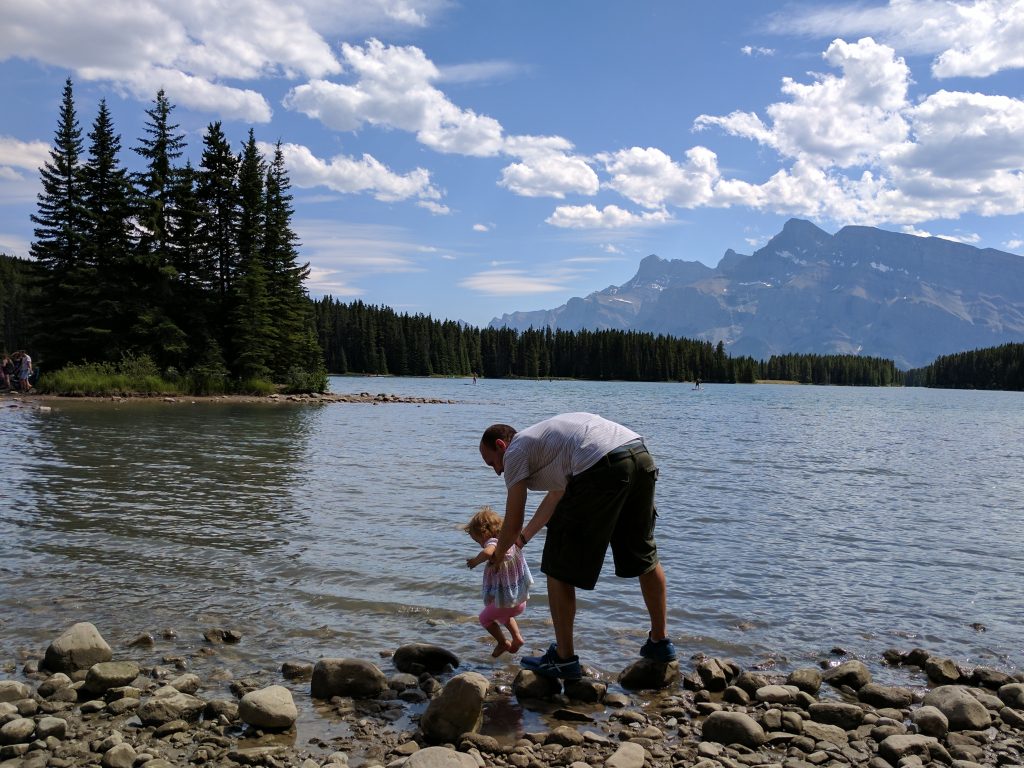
499, 443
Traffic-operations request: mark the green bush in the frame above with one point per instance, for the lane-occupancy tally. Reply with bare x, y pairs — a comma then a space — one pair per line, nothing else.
134, 375
255, 387
300, 381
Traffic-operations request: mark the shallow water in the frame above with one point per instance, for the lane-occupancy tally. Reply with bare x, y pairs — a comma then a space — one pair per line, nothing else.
792, 520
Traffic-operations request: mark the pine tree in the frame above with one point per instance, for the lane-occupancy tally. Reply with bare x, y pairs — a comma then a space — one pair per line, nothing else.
159, 148
252, 323
217, 197
59, 237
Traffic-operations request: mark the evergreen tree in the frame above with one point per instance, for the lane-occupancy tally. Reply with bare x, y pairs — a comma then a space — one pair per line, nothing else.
159, 148
217, 198
59, 236
251, 320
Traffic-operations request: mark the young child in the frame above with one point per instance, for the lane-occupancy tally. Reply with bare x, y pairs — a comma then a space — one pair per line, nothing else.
506, 585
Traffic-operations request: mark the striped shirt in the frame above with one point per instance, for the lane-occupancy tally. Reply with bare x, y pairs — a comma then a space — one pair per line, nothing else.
547, 454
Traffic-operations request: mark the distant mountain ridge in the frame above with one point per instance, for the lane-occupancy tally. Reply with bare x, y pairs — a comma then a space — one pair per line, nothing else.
860, 291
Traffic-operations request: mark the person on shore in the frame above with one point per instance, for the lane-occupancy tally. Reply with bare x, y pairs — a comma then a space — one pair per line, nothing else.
506, 581
26, 371
599, 481
6, 372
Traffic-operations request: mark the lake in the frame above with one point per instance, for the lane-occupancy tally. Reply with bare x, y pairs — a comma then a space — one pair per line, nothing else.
793, 520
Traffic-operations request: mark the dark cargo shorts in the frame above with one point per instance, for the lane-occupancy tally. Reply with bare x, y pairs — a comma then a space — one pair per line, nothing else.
612, 502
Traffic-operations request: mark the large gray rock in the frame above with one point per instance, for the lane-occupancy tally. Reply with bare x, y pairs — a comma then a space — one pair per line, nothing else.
853, 673
167, 704
776, 694
79, 647
269, 708
1012, 695
733, 728
930, 721
110, 674
17, 731
628, 755
644, 674
964, 712
845, 716
54, 683
12, 690
713, 674
51, 726
885, 696
423, 657
824, 732
457, 709
440, 757
119, 756
347, 677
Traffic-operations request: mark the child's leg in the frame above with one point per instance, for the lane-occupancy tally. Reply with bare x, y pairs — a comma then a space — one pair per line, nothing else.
489, 620
517, 636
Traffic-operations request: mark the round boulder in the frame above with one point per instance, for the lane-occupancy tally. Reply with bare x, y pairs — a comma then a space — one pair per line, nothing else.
423, 657
1012, 695
806, 679
964, 712
12, 690
440, 757
79, 647
17, 731
270, 708
456, 710
646, 675
881, 696
347, 677
930, 721
733, 728
168, 704
942, 671
529, 685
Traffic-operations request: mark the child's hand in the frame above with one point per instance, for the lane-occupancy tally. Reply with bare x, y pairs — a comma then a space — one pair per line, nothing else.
469, 562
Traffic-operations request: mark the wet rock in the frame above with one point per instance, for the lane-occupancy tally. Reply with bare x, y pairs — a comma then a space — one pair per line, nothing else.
218, 708
440, 757
79, 647
347, 677
564, 736
1012, 695
942, 671
930, 721
986, 677
266, 755
144, 640
586, 689
628, 755
714, 675
230, 636
854, 674
750, 682
54, 683
806, 679
270, 708
416, 658
733, 728
645, 674
109, 674
297, 670
456, 710
964, 712
188, 683
168, 704
530, 685
885, 696
736, 695
1012, 718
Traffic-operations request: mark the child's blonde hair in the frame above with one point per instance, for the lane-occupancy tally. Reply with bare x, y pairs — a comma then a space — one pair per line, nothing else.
486, 522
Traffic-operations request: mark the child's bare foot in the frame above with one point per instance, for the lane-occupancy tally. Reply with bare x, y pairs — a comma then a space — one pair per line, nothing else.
515, 645
503, 647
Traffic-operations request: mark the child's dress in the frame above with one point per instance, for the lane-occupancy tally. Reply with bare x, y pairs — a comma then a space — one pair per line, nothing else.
507, 584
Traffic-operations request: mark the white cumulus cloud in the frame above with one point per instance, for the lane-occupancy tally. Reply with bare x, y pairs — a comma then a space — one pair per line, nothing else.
610, 217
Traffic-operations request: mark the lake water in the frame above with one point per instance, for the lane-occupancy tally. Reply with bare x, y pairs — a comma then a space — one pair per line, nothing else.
792, 520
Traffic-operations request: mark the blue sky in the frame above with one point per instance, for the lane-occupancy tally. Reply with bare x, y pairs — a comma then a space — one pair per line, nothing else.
476, 158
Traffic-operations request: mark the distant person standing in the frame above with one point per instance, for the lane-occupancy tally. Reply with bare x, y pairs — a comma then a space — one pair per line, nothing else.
6, 372
26, 372
599, 479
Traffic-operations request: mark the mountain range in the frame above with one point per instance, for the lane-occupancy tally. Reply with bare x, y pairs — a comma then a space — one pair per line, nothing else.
861, 291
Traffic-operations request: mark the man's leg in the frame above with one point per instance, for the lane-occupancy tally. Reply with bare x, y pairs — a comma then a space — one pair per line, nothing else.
652, 585
562, 601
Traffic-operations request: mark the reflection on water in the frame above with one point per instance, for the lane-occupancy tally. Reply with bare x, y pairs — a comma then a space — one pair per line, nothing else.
792, 520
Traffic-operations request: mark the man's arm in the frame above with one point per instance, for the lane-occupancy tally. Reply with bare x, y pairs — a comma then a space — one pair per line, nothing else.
541, 516
515, 511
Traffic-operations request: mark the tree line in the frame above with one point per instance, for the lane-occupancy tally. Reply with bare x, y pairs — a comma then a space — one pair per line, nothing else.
999, 367
194, 267
362, 338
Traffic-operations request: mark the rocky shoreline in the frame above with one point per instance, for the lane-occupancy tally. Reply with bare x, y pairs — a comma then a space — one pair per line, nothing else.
317, 398
75, 705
